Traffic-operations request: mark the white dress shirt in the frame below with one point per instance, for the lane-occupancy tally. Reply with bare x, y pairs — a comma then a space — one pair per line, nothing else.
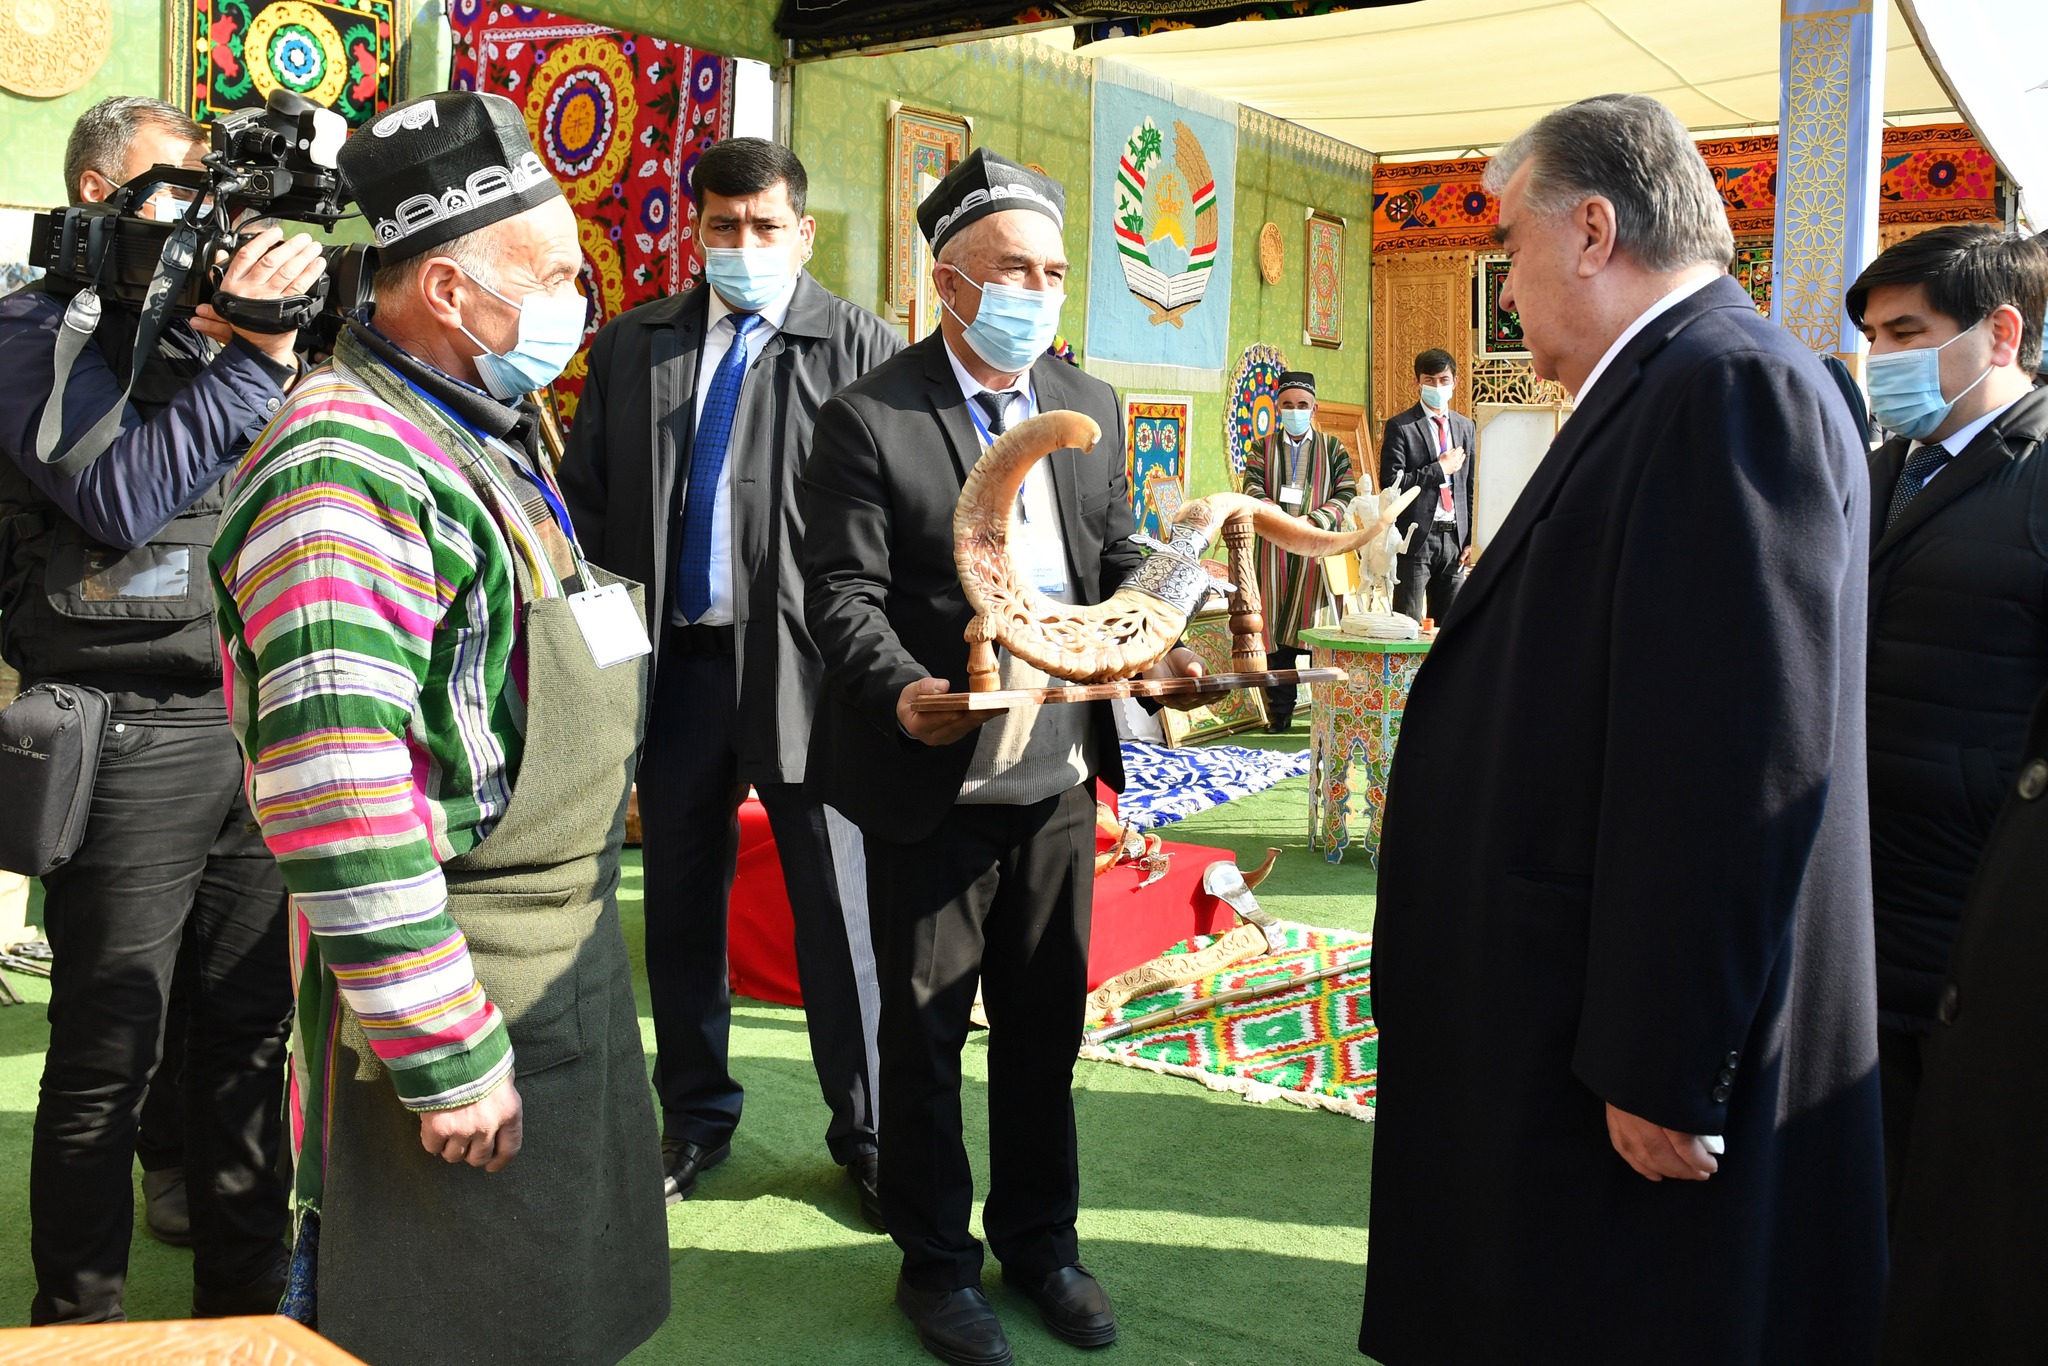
1028, 753
718, 335
1958, 441
1643, 320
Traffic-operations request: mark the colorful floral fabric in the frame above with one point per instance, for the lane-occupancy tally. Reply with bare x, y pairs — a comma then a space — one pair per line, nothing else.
619, 118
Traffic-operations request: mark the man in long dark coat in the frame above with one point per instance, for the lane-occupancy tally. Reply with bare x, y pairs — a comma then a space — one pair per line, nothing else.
1623, 970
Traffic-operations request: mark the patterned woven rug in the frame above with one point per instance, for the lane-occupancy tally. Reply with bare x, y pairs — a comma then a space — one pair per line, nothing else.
1162, 785
1314, 1044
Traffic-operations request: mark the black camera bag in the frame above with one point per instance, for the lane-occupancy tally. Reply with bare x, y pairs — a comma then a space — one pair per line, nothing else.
49, 758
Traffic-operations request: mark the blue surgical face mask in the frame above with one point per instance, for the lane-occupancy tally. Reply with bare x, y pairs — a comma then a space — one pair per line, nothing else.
1297, 421
1436, 398
749, 278
550, 330
1014, 326
1905, 388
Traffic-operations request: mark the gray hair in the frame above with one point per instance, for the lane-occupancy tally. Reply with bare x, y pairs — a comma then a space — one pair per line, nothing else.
475, 251
1633, 152
101, 137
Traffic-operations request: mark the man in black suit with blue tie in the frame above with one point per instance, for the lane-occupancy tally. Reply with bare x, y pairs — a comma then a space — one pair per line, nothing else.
1430, 447
682, 473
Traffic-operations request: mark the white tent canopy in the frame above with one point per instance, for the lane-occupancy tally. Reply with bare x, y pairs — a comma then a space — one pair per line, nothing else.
1444, 76
1992, 57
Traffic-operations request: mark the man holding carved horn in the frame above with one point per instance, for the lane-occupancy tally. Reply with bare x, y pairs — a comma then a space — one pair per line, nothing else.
979, 836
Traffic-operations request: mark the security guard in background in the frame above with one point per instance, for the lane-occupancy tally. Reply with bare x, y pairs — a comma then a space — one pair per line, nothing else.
103, 583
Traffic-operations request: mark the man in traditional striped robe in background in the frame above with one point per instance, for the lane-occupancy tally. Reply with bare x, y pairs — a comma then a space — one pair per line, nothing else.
1307, 474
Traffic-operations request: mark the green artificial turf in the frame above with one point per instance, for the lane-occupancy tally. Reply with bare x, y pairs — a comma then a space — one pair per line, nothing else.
1225, 1232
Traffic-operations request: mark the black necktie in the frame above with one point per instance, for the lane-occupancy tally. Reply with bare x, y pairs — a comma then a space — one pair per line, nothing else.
1920, 467
996, 408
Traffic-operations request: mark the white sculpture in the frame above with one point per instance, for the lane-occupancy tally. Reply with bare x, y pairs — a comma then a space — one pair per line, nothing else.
1378, 557
1370, 611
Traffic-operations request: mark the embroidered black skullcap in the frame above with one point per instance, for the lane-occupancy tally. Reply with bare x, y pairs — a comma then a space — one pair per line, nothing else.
1297, 379
440, 166
985, 183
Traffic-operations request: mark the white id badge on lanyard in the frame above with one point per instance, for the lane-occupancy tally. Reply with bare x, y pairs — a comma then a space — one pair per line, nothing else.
1290, 496
1044, 562
612, 627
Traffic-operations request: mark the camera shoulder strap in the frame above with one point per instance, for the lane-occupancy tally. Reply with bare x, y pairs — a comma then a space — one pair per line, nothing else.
81, 320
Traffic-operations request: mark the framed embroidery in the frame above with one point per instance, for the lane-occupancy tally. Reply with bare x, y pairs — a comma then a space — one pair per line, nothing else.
227, 55
1156, 457
1322, 310
1500, 329
921, 142
1753, 273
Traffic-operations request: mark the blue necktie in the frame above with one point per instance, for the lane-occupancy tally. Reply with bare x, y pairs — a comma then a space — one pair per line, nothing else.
707, 462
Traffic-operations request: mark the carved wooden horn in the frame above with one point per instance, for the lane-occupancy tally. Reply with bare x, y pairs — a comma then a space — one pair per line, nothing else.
1123, 636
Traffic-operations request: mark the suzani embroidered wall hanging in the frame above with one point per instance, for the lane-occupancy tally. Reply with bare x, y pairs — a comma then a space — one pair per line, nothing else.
619, 118
225, 55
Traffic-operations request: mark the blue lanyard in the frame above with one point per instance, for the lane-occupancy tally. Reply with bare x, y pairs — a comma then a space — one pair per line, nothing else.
548, 495
556, 506
988, 438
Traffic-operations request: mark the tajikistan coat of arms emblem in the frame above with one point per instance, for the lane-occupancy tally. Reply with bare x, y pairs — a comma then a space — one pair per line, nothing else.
1165, 221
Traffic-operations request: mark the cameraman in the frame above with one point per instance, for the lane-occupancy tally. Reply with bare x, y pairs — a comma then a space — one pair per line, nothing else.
103, 583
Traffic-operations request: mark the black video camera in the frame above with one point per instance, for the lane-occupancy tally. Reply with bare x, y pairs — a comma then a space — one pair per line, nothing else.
275, 163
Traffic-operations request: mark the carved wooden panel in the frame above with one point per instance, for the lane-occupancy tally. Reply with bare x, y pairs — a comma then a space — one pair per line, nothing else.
1420, 299
265, 1341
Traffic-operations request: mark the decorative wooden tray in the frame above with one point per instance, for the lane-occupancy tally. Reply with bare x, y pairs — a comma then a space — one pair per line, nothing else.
1123, 687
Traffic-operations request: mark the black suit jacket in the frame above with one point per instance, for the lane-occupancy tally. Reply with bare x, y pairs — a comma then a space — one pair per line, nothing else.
1408, 460
1958, 653
883, 597
629, 459
1627, 860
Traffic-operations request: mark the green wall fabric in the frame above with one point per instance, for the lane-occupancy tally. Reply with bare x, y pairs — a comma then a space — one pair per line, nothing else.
33, 132
1031, 103
1030, 107
731, 28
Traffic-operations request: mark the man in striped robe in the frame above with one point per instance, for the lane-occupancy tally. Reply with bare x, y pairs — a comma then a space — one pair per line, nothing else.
440, 765
1307, 474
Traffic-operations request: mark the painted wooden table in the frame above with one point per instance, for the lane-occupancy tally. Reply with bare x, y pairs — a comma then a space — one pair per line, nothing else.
266, 1341
1353, 727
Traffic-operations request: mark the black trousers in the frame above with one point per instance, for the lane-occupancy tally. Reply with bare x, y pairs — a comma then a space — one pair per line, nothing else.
997, 896
690, 794
1901, 1060
1429, 574
1280, 698
169, 866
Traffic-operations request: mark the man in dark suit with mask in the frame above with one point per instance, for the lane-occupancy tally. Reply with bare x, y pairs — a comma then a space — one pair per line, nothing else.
1430, 447
979, 828
1958, 620
682, 474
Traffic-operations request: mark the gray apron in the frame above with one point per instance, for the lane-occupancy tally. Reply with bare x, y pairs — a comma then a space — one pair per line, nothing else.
562, 1258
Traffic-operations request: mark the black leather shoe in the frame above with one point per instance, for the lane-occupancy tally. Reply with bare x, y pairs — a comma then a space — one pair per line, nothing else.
958, 1326
682, 1162
865, 1173
1279, 722
1074, 1304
